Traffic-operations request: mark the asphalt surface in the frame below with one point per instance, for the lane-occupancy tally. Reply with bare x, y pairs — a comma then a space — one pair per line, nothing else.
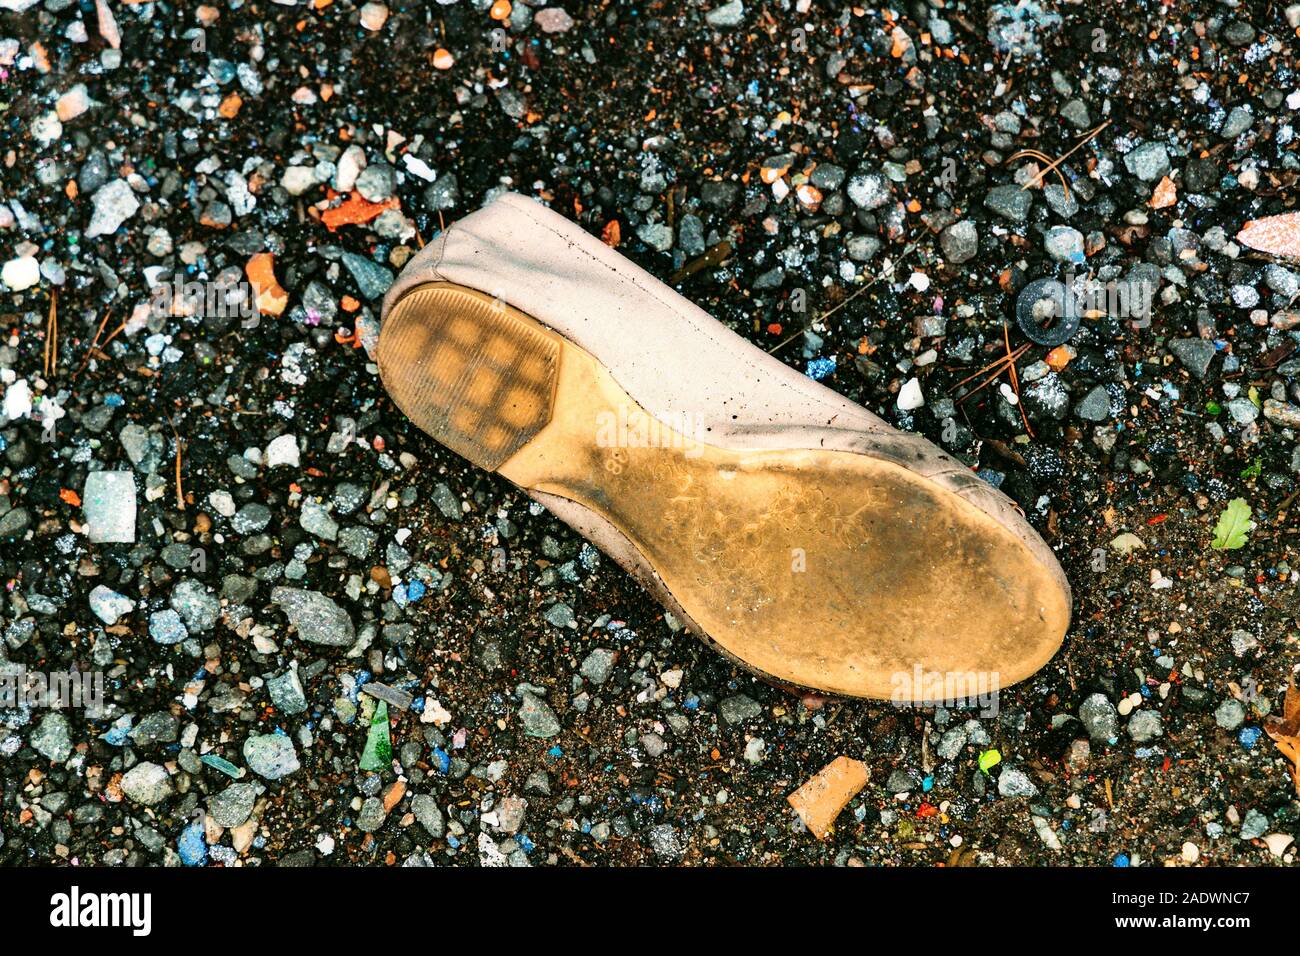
864, 169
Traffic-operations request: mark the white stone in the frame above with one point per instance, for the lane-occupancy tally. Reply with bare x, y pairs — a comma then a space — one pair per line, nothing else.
18, 400
282, 451
108, 500
108, 605
298, 180
46, 128
419, 167
1278, 842
115, 203
374, 16
349, 168
21, 273
910, 396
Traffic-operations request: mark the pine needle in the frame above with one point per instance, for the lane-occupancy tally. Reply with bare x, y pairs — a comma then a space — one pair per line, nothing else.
180, 491
1015, 379
997, 364
90, 351
1052, 165
52, 335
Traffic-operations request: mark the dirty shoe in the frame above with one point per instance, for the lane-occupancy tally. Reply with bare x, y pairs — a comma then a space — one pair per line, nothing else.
801, 535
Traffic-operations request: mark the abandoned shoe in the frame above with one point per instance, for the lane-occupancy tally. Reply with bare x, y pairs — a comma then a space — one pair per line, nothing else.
804, 537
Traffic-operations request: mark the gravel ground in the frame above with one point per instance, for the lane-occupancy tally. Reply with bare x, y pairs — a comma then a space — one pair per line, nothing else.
321, 639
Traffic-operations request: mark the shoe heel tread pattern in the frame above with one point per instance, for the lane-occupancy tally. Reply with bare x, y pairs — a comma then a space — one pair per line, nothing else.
470, 371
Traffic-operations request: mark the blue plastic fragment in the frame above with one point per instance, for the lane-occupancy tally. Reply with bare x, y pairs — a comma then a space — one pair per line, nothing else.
819, 368
191, 845
117, 734
442, 759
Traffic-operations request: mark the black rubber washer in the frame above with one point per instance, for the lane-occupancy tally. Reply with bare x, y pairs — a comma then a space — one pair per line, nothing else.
1065, 306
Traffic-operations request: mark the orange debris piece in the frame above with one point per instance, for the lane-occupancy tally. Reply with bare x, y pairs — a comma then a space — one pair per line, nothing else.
901, 44
1285, 731
356, 210
810, 197
1278, 235
229, 107
394, 794
1165, 194
1059, 358
271, 298
819, 801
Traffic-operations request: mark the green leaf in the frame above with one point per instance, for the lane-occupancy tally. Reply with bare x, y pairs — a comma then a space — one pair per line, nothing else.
378, 754
1233, 527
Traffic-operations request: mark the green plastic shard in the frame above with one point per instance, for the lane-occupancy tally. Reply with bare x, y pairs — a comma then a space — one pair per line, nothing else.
378, 754
989, 759
1233, 527
222, 764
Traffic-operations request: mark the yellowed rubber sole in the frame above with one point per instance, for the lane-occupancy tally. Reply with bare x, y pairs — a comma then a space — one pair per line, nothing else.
822, 569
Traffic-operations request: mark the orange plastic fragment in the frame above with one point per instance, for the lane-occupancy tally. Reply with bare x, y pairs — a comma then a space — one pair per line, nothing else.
611, 235
819, 801
354, 211
1278, 235
230, 106
70, 496
1165, 194
1058, 358
271, 297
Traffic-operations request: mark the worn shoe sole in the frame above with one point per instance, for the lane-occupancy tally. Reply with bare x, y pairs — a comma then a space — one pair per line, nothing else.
828, 570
